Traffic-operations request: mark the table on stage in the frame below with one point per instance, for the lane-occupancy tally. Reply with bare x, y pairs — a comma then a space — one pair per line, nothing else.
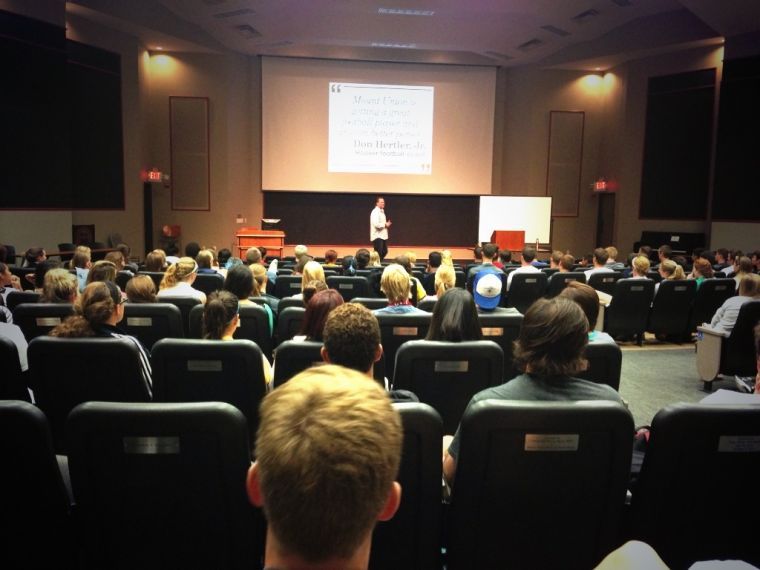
250, 237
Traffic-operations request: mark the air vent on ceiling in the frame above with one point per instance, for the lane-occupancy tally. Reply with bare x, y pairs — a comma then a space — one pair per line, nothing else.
248, 31
233, 13
555, 30
586, 16
499, 55
530, 45
623, 3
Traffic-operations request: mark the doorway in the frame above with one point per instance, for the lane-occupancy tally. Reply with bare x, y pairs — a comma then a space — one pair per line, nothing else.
605, 219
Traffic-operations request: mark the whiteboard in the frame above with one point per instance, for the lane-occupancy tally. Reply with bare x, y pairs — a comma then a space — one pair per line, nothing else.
533, 214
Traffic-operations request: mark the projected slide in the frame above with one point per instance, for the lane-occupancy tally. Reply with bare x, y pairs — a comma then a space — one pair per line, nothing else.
380, 129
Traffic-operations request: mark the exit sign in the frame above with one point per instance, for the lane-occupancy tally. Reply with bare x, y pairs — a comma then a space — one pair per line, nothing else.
154, 176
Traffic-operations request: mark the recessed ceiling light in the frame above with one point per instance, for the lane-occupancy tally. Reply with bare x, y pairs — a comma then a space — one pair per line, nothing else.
404, 12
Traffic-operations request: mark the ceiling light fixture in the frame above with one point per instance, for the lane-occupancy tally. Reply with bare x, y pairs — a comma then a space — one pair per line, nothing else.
404, 12
393, 45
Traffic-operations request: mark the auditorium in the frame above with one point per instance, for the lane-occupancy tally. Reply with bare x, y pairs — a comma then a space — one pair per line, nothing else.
526, 233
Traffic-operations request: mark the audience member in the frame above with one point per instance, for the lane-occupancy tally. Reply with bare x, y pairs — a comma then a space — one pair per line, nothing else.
612, 261
16, 336
172, 253
363, 256
374, 260
252, 255
117, 258
155, 261
489, 252
240, 282
395, 284
331, 258
81, 263
225, 260
37, 279
8, 283
742, 269
312, 271
555, 258
178, 281
141, 289
192, 249
125, 251
550, 348
261, 277
455, 318
725, 317
414, 284
567, 263
639, 267
487, 291
755, 257
446, 258
102, 271
312, 288
349, 266
445, 278
665, 252
59, 286
33, 256
205, 261
670, 270
317, 310
599, 262
526, 265
428, 278
702, 270
589, 302
505, 258
98, 310
721, 259
327, 452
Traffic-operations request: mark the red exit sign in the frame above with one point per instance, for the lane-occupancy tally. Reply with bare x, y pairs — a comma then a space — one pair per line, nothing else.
154, 176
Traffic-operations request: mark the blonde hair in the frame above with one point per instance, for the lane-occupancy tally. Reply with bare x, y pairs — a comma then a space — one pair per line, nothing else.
412, 257
672, 270
446, 258
312, 271
180, 271
205, 258
59, 287
80, 259
94, 307
445, 279
749, 285
640, 265
155, 260
611, 251
374, 259
395, 283
260, 279
328, 450
117, 258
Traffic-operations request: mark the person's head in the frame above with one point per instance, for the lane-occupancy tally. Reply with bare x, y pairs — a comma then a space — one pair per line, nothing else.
528, 255
80, 259
665, 252
612, 252
102, 271
117, 259
205, 259
567, 263
328, 450
477, 253
646, 251
312, 271
553, 338
703, 268
99, 304
184, 270
192, 249
6, 277
155, 260
486, 289
404, 261
300, 250
600, 257
395, 283
749, 286
505, 256
555, 258
125, 250
41, 270
445, 279
587, 299
755, 258
312, 288
490, 251
348, 265
239, 282
669, 269
721, 255
35, 255
351, 338
640, 266
253, 255
220, 315
223, 256
59, 286
317, 310
374, 259
412, 255
434, 259
260, 279
263, 252
380, 202
331, 256
141, 289
744, 265
455, 318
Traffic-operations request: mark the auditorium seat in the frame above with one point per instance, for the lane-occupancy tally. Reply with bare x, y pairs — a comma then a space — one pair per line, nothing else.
412, 538
294, 357
605, 282
185, 305
427, 304
525, 289
157, 277
21, 273
395, 330
628, 312
697, 483
605, 363
38, 319
150, 322
527, 471
16, 298
446, 375
559, 281
371, 303
289, 322
12, 380
254, 325
708, 299
163, 486
208, 282
287, 286
122, 278
671, 307
349, 287
503, 329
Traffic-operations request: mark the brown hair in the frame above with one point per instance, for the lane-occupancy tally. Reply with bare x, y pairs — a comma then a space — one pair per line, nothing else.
218, 313
102, 271
155, 260
117, 258
567, 262
352, 336
704, 268
586, 297
317, 310
94, 307
141, 289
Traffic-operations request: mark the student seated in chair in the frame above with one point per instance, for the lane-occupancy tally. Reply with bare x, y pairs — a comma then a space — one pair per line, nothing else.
328, 450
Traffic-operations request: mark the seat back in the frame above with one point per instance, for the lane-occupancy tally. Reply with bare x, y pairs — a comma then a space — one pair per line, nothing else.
737, 351
208, 282
104, 369
629, 310
412, 538
427, 304
35, 514
66, 250
605, 281
190, 370
16, 298
289, 322
294, 357
531, 470
691, 444
287, 286
157, 277
253, 325
371, 303
12, 384
671, 307
150, 322
525, 289
503, 329
290, 302
605, 363
162, 486
38, 319
654, 275
122, 278
21, 273
395, 330
559, 281
708, 299
447, 375
349, 287
185, 305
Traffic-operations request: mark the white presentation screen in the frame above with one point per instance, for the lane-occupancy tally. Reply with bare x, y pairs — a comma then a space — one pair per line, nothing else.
382, 129
533, 214
370, 127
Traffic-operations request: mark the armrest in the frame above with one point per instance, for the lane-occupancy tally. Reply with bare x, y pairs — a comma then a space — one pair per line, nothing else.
711, 331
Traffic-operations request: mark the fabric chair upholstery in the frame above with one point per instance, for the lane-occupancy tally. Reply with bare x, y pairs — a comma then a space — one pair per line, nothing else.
287, 286
16, 298
605, 281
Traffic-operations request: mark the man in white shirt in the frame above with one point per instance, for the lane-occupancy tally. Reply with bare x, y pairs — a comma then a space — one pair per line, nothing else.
600, 263
378, 228
526, 264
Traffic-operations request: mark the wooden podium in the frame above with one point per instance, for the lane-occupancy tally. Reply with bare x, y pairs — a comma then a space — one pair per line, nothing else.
250, 237
512, 240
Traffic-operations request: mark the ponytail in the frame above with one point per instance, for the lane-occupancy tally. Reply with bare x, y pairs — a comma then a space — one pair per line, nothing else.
93, 309
219, 311
179, 271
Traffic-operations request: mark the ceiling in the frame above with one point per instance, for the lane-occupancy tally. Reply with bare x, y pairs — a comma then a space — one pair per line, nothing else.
570, 34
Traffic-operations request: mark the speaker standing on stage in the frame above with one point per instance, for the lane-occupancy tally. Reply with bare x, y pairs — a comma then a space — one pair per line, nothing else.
378, 228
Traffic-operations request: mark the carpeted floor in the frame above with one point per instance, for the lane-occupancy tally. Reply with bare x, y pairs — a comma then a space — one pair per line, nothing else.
653, 377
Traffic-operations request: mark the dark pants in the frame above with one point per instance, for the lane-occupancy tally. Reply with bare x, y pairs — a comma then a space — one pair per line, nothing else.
381, 247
